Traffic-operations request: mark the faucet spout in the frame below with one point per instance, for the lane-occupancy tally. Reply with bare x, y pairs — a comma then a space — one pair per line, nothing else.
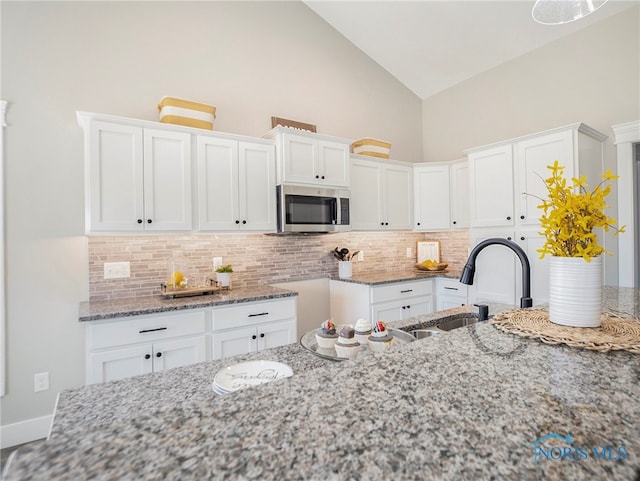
469, 269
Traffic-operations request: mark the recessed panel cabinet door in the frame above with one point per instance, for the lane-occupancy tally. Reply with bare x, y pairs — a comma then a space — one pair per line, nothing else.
116, 364
532, 158
459, 188
300, 159
257, 186
178, 353
333, 160
167, 180
276, 334
217, 183
491, 187
366, 195
234, 342
398, 196
431, 186
115, 172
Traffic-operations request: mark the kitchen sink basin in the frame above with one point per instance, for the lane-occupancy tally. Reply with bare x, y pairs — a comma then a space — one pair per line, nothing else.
455, 321
447, 323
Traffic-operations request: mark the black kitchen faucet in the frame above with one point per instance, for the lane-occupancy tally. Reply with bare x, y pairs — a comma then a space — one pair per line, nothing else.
470, 267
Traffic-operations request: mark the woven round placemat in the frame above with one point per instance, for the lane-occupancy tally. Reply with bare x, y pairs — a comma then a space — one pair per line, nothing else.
614, 333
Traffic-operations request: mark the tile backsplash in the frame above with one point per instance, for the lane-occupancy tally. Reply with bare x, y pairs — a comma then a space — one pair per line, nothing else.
256, 258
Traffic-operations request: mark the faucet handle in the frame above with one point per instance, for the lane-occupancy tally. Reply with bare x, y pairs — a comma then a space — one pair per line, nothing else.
483, 312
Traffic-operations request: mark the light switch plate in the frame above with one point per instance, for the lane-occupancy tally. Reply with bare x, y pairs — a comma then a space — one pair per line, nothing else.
117, 270
41, 382
217, 262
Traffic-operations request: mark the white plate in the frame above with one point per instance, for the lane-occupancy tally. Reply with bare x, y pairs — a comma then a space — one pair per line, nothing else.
247, 374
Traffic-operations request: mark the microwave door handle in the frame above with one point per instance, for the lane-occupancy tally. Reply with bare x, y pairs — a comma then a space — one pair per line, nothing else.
336, 221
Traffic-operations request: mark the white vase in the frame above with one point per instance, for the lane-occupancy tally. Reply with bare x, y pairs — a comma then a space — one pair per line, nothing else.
575, 291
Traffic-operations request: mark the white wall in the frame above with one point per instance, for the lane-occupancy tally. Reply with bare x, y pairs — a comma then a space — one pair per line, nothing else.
251, 60
592, 76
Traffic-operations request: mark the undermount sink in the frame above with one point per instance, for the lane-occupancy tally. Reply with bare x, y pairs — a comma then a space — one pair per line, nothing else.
446, 324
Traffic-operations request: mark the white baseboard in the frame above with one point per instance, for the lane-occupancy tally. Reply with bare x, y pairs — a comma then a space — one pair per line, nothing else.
25, 431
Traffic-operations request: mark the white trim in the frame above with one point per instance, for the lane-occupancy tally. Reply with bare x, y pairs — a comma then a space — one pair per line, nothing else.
625, 136
25, 431
3, 332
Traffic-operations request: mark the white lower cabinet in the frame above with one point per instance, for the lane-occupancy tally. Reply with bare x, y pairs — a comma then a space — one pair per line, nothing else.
351, 301
450, 293
252, 327
121, 348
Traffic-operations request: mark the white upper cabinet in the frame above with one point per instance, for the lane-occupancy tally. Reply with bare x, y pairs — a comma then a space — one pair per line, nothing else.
309, 158
459, 194
432, 208
236, 185
507, 180
137, 179
441, 196
491, 187
381, 195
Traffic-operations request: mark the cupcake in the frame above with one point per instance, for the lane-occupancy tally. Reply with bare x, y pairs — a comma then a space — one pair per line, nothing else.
346, 345
363, 330
327, 336
380, 339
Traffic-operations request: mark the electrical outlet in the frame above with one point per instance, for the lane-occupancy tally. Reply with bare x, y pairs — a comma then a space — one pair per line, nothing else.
360, 256
217, 262
409, 254
117, 270
41, 382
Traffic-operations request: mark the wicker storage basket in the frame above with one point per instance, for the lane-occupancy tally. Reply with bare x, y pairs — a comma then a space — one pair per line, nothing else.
372, 148
185, 112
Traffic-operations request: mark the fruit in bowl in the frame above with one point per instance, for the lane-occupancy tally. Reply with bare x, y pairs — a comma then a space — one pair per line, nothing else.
431, 265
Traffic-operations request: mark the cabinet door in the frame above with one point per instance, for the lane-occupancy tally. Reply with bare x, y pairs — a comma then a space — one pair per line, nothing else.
257, 187
178, 353
217, 184
459, 195
530, 243
388, 311
495, 277
117, 364
234, 342
366, 195
167, 180
431, 193
115, 196
491, 187
532, 158
333, 163
398, 197
276, 334
418, 307
300, 159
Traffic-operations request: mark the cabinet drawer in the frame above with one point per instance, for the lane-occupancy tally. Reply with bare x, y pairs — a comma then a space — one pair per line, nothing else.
451, 288
253, 313
401, 290
143, 329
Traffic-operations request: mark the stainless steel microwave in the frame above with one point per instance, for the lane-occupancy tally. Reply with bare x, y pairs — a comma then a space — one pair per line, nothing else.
312, 209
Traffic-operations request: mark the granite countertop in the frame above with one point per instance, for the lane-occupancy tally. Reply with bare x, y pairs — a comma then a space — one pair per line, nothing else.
474, 403
374, 278
135, 306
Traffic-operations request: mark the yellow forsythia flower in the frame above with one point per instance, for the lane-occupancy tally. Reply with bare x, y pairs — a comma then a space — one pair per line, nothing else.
572, 213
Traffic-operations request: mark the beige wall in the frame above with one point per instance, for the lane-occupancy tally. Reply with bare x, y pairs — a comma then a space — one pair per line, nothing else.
251, 60
592, 76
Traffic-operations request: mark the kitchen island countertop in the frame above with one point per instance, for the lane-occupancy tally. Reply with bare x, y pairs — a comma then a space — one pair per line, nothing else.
474, 403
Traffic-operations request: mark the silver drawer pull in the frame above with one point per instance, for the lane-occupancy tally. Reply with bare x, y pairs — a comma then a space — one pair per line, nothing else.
153, 330
406, 290
451, 288
261, 314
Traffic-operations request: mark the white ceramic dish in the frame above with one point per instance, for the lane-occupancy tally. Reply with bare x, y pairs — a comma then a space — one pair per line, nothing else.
248, 374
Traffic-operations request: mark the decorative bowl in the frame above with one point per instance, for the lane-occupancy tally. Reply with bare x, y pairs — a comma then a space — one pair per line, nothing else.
436, 267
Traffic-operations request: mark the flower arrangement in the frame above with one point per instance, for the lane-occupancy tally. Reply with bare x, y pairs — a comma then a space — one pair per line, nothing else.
223, 269
572, 213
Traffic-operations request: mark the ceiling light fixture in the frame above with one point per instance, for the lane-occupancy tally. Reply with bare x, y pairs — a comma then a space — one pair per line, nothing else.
556, 12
